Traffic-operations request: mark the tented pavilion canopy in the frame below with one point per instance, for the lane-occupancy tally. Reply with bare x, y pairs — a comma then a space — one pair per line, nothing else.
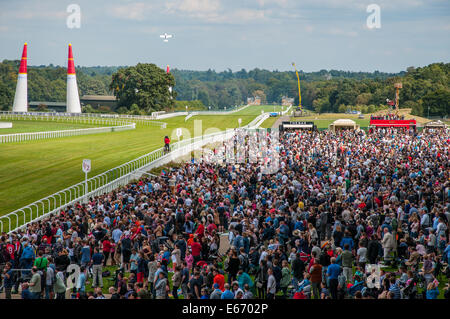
436, 124
343, 124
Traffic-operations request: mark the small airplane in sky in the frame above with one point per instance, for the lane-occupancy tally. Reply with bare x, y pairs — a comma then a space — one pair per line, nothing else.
166, 37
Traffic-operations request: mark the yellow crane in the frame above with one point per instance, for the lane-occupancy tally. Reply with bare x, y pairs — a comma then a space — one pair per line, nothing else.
299, 93
397, 86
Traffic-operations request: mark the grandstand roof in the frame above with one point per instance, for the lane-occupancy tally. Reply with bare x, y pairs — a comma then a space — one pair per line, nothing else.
99, 97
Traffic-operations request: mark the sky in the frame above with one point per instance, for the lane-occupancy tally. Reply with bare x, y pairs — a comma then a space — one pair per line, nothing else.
234, 34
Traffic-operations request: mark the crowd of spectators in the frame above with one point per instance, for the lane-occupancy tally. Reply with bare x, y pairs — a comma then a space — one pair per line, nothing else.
343, 215
387, 116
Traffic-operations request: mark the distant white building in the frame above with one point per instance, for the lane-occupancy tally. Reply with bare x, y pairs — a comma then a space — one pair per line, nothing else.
287, 101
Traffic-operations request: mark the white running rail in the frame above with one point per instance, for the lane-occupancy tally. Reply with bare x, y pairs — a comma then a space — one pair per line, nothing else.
83, 118
183, 113
32, 136
190, 115
257, 121
287, 110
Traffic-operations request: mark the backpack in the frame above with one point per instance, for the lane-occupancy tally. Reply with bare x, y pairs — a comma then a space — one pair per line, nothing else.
244, 262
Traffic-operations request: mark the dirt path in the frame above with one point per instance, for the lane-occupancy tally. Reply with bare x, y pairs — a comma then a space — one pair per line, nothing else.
279, 120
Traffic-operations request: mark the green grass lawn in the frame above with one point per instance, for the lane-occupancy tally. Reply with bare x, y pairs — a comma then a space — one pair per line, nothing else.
42, 126
32, 170
321, 123
269, 122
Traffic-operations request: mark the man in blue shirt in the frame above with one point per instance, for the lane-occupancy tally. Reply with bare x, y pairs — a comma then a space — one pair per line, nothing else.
333, 272
81, 284
116, 234
185, 280
181, 243
284, 232
347, 240
85, 254
227, 294
27, 257
97, 262
446, 254
238, 241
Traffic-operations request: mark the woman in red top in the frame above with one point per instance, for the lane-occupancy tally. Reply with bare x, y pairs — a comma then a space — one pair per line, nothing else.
107, 248
200, 232
166, 144
196, 248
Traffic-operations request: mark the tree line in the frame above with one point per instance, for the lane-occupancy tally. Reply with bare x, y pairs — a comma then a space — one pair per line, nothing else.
144, 88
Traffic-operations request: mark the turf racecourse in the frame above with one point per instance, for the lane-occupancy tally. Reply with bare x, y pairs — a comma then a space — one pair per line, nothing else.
32, 170
43, 126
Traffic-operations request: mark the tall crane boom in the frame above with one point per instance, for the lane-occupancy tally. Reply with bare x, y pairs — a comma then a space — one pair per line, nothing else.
299, 93
397, 86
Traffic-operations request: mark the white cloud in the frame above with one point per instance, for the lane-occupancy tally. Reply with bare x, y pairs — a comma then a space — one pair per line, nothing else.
133, 11
341, 32
200, 6
201, 9
244, 15
354, 4
212, 11
28, 14
149, 30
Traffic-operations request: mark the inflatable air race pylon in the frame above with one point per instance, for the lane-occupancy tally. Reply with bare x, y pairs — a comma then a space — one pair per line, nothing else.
72, 99
21, 96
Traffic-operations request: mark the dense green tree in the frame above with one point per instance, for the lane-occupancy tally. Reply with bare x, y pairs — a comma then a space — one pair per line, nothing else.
87, 109
145, 85
437, 102
6, 97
